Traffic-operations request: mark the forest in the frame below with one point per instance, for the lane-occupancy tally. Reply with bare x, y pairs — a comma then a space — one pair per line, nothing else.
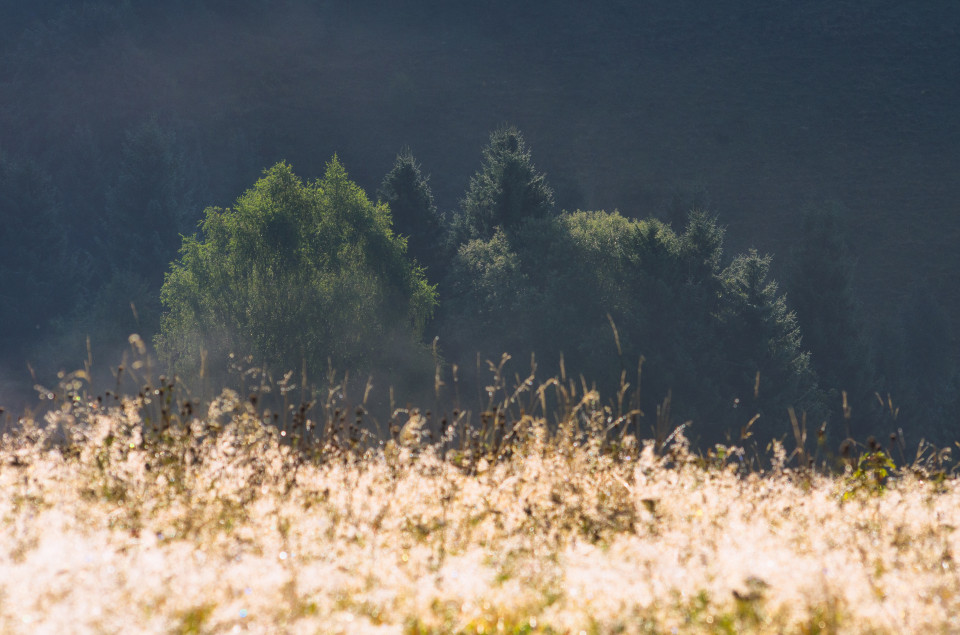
718, 215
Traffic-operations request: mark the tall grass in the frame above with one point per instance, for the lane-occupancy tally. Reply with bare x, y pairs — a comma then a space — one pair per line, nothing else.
267, 508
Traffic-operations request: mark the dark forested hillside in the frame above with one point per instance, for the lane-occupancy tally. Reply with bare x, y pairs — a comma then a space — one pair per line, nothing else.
120, 122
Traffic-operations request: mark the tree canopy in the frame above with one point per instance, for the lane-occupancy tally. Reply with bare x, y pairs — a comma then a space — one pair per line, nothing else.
553, 285
296, 271
415, 217
506, 190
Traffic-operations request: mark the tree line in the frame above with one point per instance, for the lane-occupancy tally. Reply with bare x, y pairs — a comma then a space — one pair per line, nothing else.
321, 275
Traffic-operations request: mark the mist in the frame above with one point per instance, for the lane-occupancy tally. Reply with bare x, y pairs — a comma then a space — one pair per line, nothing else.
138, 116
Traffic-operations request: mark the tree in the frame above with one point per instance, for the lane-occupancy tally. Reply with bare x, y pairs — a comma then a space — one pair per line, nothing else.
821, 291
414, 213
702, 246
768, 370
488, 296
295, 272
506, 190
553, 284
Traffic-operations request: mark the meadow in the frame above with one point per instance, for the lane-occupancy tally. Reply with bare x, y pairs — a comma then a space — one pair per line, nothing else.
548, 512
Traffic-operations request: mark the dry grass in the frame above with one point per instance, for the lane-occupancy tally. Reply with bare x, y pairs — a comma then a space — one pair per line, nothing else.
136, 515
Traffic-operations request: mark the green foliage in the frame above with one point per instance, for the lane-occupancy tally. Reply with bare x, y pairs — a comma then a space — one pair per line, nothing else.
193, 621
702, 246
414, 213
293, 272
493, 272
870, 476
505, 191
553, 285
767, 366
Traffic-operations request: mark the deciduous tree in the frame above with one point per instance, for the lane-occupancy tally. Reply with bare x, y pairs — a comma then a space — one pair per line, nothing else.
297, 271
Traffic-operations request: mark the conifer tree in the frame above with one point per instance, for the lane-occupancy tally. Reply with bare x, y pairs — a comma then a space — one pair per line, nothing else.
702, 246
407, 191
768, 369
506, 190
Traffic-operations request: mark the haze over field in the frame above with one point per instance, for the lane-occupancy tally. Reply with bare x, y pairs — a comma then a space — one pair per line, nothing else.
121, 122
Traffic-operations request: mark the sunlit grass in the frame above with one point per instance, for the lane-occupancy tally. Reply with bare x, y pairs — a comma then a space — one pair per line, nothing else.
143, 514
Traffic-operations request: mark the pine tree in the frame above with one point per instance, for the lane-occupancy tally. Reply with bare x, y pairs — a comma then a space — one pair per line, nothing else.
702, 246
768, 369
553, 285
407, 191
506, 190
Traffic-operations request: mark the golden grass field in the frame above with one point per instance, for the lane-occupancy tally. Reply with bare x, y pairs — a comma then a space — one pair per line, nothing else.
137, 515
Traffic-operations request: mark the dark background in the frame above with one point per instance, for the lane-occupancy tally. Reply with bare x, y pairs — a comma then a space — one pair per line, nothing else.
755, 109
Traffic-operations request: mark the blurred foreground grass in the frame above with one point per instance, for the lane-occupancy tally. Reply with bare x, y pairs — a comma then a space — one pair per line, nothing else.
152, 513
